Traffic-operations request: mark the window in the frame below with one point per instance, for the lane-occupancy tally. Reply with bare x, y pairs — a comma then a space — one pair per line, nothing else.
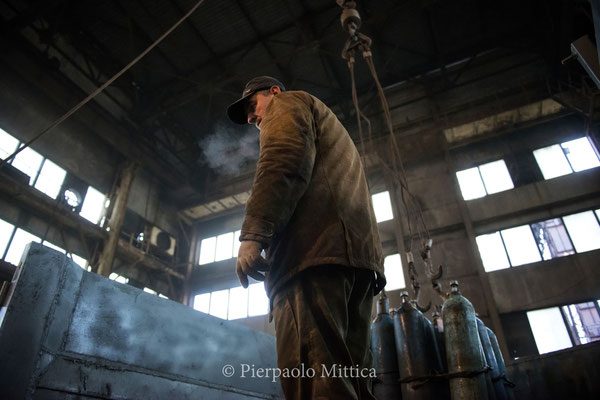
584, 231
219, 248
6, 231
8, 144
79, 260
238, 303
28, 161
568, 157
207, 250
121, 279
53, 246
148, 290
202, 302
93, 205
224, 249
485, 179
520, 245
50, 179
258, 302
492, 252
236, 243
393, 272
549, 330
382, 206
552, 238
17, 245
559, 328
218, 303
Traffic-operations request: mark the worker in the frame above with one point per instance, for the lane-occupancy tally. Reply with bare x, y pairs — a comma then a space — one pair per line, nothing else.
310, 210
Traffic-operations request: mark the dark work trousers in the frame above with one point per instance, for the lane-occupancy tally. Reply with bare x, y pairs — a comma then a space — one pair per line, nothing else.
322, 323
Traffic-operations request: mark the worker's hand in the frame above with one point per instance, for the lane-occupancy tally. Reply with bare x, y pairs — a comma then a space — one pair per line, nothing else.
250, 262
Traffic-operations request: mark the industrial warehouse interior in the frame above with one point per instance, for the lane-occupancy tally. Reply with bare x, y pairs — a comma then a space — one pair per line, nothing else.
121, 211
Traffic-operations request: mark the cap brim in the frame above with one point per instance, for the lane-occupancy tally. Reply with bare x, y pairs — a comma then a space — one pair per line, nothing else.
235, 111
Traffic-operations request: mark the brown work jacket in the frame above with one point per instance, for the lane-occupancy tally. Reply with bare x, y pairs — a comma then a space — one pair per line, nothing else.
310, 203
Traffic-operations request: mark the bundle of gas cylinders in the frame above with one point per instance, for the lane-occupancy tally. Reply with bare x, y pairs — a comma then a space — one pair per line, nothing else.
417, 359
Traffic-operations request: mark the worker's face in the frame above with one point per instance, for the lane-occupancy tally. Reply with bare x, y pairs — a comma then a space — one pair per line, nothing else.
257, 104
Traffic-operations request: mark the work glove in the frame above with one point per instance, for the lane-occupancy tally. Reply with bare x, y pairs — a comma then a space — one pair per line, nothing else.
250, 262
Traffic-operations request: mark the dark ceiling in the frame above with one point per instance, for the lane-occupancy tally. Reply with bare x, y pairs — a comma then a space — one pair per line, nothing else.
175, 97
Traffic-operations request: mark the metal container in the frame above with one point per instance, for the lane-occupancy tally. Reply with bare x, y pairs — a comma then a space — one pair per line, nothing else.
508, 387
464, 353
438, 330
494, 385
383, 346
418, 357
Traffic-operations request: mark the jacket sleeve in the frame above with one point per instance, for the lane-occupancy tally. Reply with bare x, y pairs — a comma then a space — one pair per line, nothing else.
284, 169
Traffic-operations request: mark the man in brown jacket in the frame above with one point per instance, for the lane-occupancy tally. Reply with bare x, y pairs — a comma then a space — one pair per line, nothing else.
310, 211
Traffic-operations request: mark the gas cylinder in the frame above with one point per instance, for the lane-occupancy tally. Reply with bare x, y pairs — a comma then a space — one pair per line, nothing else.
417, 354
464, 353
438, 330
501, 365
492, 377
383, 346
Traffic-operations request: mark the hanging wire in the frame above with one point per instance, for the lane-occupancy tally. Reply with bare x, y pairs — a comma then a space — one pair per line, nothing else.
101, 88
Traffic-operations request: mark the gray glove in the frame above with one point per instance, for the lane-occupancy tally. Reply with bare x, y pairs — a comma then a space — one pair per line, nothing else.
250, 262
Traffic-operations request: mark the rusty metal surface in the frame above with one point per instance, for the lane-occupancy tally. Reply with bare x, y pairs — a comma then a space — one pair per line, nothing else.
68, 332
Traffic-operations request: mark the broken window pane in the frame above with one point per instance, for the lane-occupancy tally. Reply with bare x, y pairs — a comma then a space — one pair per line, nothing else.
224, 248
584, 231
202, 302
8, 144
583, 321
520, 245
382, 206
496, 177
93, 205
218, 303
471, 185
51, 179
549, 330
207, 250
393, 272
493, 254
28, 161
552, 161
6, 231
238, 303
17, 245
258, 302
581, 154
552, 239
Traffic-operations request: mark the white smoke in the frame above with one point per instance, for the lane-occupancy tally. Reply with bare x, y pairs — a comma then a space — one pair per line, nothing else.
229, 149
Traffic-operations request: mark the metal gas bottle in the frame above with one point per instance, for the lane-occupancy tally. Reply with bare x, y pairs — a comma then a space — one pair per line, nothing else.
383, 346
464, 354
508, 387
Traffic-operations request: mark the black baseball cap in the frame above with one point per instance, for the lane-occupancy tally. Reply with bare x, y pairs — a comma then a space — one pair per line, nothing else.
235, 111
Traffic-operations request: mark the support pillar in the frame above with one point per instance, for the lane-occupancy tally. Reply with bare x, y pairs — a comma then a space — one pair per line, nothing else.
126, 175
192, 259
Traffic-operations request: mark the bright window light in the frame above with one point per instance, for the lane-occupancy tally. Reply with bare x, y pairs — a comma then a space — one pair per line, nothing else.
238, 303
79, 260
470, 184
218, 303
552, 161
121, 279
382, 206
258, 302
493, 254
207, 250
496, 177
224, 246
6, 231
51, 179
584, 231
236, 243
93, 205
148, 290
17, 245
520, 245
202, 302
552, 238
549, 330
162, 296
394, 274
53, 246
28, 161
8, 144
581, 154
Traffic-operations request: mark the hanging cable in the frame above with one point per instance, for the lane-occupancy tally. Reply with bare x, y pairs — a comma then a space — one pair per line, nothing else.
101, 88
